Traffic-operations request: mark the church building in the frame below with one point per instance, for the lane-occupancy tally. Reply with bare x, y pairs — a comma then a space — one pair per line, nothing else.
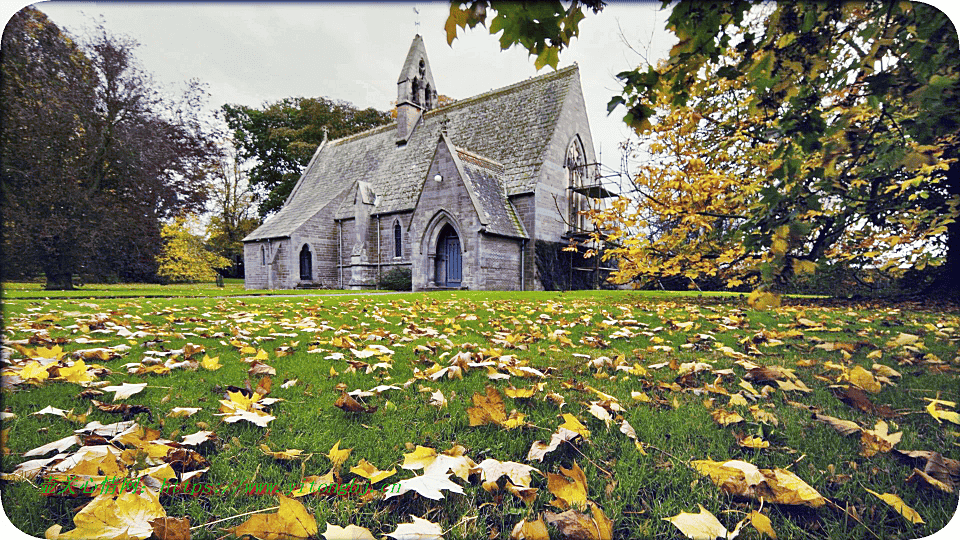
471, 195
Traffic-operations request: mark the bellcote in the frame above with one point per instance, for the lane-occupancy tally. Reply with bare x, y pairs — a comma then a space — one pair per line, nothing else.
416, 91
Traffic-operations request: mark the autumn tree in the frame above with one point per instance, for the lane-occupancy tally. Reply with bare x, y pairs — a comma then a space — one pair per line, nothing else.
233, 211
93, 158
184, 257
281, 138
861, 102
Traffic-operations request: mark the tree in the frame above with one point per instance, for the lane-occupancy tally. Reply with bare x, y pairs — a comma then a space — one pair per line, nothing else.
184, 257
283, 136
233, 213
93, 158
862, 104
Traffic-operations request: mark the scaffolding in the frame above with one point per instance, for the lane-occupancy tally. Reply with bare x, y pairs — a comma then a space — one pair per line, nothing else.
588, 190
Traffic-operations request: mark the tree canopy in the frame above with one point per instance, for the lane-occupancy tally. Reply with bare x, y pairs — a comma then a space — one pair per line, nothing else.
282, 137
93, 158
857, 104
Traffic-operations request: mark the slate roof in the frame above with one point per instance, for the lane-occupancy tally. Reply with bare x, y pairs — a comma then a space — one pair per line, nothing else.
485, 177
511, 126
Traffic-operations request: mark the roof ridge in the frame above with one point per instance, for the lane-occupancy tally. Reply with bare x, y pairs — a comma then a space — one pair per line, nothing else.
460, 102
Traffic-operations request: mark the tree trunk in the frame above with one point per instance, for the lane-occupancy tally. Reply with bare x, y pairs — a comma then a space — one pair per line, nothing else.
947, 284
59, 281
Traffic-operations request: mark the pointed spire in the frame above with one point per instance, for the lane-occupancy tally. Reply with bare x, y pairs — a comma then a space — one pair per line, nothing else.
416, 90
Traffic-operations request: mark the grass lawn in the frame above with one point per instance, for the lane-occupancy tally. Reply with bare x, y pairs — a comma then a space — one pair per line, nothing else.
674, 367
232, 287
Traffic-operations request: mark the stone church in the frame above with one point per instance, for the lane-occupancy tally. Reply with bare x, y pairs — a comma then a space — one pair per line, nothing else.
466, 196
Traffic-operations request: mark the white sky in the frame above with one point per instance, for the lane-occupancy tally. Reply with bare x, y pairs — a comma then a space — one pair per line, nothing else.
251, 53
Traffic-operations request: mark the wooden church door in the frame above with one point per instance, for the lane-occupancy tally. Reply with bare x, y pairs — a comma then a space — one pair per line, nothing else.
450, 264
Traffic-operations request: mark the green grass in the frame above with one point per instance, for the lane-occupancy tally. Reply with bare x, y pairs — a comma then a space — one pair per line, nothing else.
634, 490
232, 287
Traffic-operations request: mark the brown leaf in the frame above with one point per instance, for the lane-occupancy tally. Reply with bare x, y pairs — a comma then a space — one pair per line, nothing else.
292, 521
347, 403
576, 526
858, 399
126, 409
168, 528
943, 469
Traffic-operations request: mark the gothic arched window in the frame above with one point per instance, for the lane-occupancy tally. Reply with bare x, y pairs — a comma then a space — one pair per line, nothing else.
427, 101
577, 175
397, 240
415, 91
263, 256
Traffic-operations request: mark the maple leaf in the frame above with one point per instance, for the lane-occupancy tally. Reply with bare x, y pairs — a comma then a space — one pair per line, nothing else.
337, 455
878, 440
437, 400
491, 470
762, 524
897, 504
125, 390
487, 408
199, 437
211, 364
34, 371
574, 525
254, 417
180, 412
702, 526
864, 379
539, 450
77, 373
419, 458
370, 472
940, 414
123, 516
844, 427
530, 530
350, 532
419, 529
347, 403
725, 418
59, 445
428, 485
292, 521
284, 454
573, 424
569, 489
168, 528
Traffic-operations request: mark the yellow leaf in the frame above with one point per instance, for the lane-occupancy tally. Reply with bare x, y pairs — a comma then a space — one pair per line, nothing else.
211, 364
702, 526
569, 489
573, 424
762, 524
940, 414
487, 408
337, 455
371, 473
878, 440
54, 352
530, 530
864, 379
110, 516
291, 522
33, 371
725, 418
419, 458
901, 507
788, 488
753, 442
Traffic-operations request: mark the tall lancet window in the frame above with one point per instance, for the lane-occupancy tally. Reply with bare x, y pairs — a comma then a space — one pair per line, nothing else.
577, 174
397, 240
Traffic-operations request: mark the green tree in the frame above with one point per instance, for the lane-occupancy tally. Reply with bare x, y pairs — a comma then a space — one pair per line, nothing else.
184, 257
282, 137
861, 102
92, 158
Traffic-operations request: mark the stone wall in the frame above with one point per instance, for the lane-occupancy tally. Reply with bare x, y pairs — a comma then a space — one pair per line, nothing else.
500, 263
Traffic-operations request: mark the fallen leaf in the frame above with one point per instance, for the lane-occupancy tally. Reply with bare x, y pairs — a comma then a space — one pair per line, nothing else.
419, 529
371, 473
168, 528
762, 524
577, 526
702, 526
427, 485
347, 403
901, 507
530, 530
108, 516
337, 455
292, 521
350, 532
570, 489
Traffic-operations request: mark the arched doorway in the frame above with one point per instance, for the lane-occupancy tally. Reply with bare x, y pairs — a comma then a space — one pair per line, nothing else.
448, 271
306, 264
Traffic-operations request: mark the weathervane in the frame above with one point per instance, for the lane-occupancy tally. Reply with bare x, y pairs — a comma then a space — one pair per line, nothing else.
417, 21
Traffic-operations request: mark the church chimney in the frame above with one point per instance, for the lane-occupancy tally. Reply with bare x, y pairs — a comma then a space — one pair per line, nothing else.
416, 91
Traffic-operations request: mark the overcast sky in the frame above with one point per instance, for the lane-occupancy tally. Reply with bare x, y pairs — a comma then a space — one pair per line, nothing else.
251, 53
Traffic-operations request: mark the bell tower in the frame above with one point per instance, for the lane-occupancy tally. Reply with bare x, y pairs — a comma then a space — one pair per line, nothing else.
416, 91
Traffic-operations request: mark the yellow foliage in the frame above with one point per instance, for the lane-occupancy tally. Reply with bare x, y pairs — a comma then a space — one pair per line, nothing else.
184, 258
